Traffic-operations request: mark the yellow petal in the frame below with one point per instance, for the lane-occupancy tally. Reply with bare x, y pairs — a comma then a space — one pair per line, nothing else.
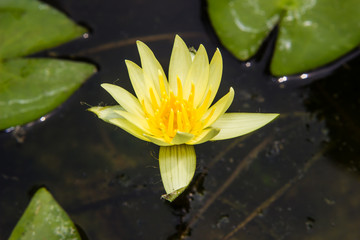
115, 115
219, 108
106, 113
151, 66
236, 124
137, 79
141, 82
151, 87
156, 140
129, 127
180, 63
124, 98
177, 168
215, 73
139, 122
181, 138
205, 136
199, 75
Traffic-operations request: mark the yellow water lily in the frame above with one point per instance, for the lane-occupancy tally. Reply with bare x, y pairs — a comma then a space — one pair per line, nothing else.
177, 113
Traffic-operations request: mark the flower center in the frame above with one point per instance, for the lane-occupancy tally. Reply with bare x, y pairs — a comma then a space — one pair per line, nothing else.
173, 113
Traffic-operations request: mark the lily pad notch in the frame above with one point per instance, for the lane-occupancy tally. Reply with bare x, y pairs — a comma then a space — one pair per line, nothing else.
312, 33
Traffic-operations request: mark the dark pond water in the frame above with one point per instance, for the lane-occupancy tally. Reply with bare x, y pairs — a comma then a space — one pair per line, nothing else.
297, 178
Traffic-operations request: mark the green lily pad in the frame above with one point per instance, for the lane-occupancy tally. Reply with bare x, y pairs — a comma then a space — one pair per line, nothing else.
22, 28
44, 219
312, 33
30, 88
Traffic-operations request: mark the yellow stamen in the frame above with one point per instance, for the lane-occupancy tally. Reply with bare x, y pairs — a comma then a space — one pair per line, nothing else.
179, 88
185, 116
179, 121
172, 97
162, 84
153, 99
172, 113
163, 106
202, 109
171, 123
208, 117
192, 94
144, 108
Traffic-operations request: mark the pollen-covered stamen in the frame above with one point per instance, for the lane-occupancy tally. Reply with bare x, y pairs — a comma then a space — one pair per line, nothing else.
192, 95
203, 107
185, 118
153, 100
208, 117
163, 90
171, 123
179, 88
173, 113
179, 122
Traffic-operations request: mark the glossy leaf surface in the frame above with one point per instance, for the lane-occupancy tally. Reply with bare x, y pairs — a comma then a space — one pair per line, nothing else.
312, 33
30, 88
28, 26
44, 219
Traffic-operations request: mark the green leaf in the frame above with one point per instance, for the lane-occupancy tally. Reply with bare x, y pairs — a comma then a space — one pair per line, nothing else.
243, 24
311, 33
22, 28
316, 33
30, 88
44, 219
177, 168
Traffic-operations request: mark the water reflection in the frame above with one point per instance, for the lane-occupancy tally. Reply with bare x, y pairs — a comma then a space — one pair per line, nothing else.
303, 79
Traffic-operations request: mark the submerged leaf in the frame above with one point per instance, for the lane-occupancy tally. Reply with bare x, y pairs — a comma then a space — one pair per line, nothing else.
177, 168
30, 88
22, 28
44, 219
312, 33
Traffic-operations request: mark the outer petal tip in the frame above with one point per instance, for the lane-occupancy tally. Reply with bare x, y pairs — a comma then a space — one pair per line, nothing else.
177, 37
173, 195
141, 44
108, 86
103, 85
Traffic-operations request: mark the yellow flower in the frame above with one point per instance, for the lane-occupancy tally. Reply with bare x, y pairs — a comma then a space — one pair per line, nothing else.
177, 113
